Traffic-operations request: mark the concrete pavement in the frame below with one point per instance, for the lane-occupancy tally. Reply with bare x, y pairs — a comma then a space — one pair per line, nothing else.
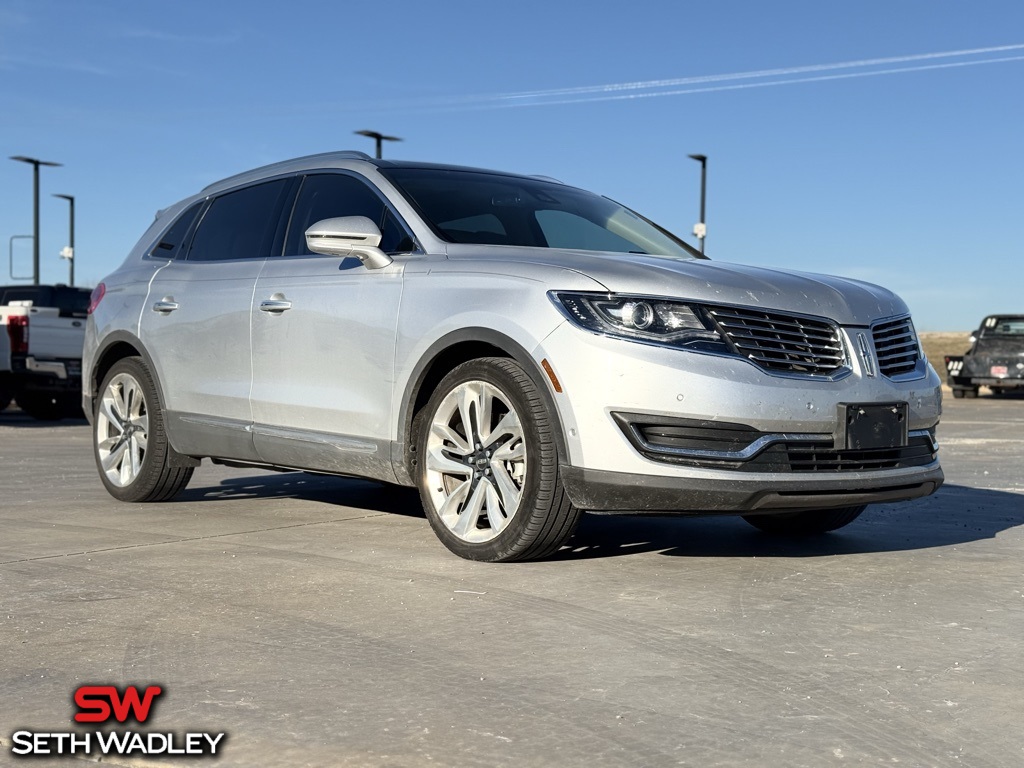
318, 622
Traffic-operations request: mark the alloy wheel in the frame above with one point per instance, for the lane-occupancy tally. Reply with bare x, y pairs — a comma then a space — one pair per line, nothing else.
122, 430
476, 461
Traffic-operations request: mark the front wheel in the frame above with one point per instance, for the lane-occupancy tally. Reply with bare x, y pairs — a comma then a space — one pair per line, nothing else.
805, 522
129, 441
487, 465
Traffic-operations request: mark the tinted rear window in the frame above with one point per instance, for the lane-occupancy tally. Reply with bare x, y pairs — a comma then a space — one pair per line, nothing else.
71, 302
240, 225
172, 241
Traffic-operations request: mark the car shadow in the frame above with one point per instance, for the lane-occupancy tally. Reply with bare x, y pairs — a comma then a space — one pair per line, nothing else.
957, 514
12, 416
326, 489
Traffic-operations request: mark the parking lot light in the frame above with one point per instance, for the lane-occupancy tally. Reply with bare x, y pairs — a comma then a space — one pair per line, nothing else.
701, 230
35, 208
70, 250
380, 138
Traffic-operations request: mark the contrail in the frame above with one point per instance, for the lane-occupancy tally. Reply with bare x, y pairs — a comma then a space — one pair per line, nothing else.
711, 83
760, 84
762, 73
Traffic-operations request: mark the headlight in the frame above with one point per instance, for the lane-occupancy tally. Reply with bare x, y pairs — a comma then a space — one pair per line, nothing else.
642, 318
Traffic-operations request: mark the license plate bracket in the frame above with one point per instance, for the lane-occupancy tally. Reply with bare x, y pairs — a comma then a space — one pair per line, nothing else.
865, 426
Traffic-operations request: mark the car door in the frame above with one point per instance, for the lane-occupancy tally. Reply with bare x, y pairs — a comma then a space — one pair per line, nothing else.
324, 340
196, 324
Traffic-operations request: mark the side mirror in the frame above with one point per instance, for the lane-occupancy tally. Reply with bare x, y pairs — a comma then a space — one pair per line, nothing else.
348, 236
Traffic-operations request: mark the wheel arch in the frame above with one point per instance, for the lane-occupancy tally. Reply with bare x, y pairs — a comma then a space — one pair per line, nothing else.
443, 356
117, 346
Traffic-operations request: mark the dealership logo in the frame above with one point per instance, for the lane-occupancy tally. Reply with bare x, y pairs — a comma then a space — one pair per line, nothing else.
99, 703
107, 704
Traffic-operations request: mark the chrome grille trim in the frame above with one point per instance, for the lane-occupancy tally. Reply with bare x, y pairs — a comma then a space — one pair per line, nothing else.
781, 343
896, 347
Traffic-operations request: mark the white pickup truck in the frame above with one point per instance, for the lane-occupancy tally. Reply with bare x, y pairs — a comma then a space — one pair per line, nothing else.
42, 328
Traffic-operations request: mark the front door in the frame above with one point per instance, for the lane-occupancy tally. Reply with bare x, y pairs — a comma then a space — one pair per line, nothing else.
323, 335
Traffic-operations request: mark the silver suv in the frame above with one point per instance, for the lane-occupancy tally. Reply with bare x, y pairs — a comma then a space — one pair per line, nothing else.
517, 348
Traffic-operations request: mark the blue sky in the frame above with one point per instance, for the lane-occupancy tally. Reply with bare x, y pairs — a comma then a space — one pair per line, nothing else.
879, 139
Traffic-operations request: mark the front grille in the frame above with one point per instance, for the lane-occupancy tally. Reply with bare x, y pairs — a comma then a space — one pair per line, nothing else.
724, 445
817, 457
783, 343
896, 347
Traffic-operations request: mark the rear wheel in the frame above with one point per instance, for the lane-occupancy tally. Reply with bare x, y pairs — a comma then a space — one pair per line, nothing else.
5, 399
129, 441
488, 467
806, 521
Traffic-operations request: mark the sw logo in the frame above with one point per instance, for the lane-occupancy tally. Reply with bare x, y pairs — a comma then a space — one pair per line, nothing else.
98, 703
106, 703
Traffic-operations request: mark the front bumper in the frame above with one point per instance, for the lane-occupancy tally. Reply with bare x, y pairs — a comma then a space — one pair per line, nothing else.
602, 491
603, 378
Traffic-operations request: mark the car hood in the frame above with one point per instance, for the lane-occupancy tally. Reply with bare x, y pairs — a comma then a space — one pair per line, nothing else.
848, 302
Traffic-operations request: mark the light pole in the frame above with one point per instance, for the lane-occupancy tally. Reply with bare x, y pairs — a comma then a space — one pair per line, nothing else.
71, 239
379, 138
35, 209
701, 229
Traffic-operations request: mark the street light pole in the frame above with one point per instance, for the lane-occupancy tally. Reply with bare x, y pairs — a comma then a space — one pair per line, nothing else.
35, 209
701, 230
71, 239
380, 138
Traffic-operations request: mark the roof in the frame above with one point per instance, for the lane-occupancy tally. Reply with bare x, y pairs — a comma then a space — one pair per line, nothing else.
327, 159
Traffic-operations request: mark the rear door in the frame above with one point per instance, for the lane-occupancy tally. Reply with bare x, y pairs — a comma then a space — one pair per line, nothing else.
324, 339
196, 321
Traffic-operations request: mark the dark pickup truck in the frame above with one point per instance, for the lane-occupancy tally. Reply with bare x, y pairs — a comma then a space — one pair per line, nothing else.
995, 359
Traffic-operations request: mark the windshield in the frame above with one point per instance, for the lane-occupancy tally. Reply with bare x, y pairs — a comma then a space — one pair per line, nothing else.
493, 209
1003, 326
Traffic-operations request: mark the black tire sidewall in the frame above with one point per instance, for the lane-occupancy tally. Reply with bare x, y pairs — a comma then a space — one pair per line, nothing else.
509, 541
142, 487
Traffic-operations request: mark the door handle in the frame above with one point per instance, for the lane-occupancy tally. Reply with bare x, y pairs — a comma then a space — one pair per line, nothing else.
165, 306
275, 306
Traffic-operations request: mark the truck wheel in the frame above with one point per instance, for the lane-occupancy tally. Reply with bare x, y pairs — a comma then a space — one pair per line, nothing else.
488, 467
41, 405
971, 392
958, 394
5, 399
129, 441
806, 521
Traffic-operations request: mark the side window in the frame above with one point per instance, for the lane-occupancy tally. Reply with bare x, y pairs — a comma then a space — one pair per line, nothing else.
240, 225
170, 243
330, 195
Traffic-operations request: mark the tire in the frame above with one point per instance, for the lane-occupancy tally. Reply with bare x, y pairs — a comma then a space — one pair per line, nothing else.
971, 393
491, 494
958, 394
42, 406
129, 441
805, 522
5, 399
